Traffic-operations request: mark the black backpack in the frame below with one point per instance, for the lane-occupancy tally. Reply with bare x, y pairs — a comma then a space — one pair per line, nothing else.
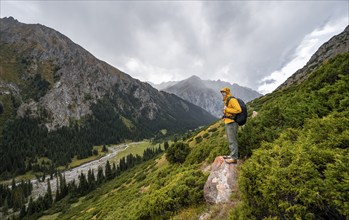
240, 118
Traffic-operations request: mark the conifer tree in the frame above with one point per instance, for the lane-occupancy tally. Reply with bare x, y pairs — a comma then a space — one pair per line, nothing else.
122, 164
83, 185
5, 208
108, 173
1, 108
48, 198
166, 146
118, 170
23, 212
58, 196
64, 187
31, 208
13, 184
72, 188
17, 198
100, 176
43, 176
91, 180
129, 161
114, 170
30, 188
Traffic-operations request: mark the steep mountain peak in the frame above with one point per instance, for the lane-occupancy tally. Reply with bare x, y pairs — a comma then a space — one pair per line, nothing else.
10, 19
193, 82
194, 78
205, 93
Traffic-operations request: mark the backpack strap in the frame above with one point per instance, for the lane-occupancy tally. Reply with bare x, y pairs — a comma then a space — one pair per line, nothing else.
228, 100
226, 104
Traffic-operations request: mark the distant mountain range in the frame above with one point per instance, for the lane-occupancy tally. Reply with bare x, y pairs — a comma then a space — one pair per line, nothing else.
46, 77
206, 93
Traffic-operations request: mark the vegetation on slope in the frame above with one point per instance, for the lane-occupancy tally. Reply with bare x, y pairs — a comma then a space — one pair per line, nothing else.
297, 162
325, 91
300, 168
155, 189
297, 166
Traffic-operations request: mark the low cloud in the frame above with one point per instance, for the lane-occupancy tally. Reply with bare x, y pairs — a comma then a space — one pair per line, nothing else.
302, 54
254, 44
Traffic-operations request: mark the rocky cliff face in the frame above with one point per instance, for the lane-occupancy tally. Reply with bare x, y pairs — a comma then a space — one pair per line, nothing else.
54, 78
206, 93
75, 78
338, 44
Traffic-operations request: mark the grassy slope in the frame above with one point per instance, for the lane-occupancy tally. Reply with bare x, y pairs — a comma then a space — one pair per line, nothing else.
311, 119
155, 189
300, 148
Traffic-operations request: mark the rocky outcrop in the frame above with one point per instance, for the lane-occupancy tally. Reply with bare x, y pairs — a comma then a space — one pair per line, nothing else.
221, 182
77, 79
338, 44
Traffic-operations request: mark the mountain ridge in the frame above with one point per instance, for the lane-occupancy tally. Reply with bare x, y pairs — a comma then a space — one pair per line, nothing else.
338, 44
97, 88
206, 93
52, 86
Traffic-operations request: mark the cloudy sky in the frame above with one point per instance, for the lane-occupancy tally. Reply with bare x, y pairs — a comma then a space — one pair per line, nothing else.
257, 44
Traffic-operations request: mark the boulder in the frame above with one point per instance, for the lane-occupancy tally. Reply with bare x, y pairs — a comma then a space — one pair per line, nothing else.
221, 182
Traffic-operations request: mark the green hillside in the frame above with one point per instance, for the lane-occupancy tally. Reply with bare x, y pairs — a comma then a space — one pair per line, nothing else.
297, 163
57, 101
299, 144
155, 189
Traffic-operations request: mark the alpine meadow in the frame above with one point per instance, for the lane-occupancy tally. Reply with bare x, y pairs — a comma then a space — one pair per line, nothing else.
59, 105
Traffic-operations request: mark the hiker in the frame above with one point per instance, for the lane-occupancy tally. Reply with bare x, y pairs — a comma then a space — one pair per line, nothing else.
231, 108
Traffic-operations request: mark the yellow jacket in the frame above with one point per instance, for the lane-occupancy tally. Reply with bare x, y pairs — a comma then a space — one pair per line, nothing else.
233, 107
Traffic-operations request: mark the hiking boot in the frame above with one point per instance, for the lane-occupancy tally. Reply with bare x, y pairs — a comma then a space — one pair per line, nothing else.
229, 161
227, 157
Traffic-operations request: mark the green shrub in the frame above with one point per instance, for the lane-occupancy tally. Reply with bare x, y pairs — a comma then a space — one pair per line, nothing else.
300, 177
198, 139
182, 190
178, 152
208, 150
325, 91
141, 177
206, 135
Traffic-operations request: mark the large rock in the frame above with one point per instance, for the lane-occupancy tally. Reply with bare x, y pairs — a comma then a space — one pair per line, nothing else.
221, 182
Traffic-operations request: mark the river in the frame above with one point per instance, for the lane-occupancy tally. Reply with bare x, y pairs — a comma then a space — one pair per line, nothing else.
40, 188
